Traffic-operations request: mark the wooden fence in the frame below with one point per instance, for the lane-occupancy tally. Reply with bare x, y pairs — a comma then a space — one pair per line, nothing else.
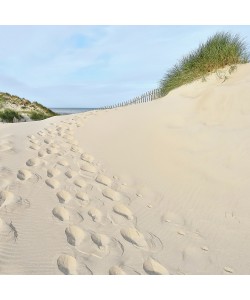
149, 96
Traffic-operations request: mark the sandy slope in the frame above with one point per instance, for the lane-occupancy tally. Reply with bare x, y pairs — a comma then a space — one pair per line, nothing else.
156, 188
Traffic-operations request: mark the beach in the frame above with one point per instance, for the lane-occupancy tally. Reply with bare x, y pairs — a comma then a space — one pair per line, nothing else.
155, 188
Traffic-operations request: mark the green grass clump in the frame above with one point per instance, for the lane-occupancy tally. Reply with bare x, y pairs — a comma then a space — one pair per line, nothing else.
35, 116
220, 50
45, 109
8, 115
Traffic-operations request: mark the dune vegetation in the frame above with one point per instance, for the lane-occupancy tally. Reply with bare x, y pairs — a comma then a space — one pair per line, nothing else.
220, 50
16, 109
8, 115
36, 116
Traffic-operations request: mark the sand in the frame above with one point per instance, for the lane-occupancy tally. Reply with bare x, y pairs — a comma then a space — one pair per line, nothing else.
155, 188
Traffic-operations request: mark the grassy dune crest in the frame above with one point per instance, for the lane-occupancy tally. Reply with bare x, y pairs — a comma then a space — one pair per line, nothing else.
16, 109
220, 50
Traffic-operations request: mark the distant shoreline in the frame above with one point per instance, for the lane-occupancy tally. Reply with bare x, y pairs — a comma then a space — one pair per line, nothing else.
70, 110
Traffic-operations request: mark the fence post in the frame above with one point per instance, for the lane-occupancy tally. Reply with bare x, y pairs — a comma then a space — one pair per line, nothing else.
146, 97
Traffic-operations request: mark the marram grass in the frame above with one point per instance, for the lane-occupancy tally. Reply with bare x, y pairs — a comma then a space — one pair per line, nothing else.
8, 115
220, 50
36, 116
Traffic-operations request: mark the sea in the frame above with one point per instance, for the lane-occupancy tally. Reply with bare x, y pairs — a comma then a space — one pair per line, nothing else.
69, 111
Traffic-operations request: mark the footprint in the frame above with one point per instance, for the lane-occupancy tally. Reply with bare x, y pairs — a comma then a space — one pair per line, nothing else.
47, 141
111, 194
49, 130
101, 240
35, 147
75, 148
103, 180
41, 133
83, 197
229, 270
53, 183
204, 248
68, 137
35, 141
64, 196
181, 232
133, 236
115, 270
88, 168
80, 182
123, 211
61, 213
75, 235
70, 174
42, 153
53, 172
152, 267
24, 174
52, 150
53, 145
67, 264
95, 214
63, 162
6, 197
33, 162
87, 157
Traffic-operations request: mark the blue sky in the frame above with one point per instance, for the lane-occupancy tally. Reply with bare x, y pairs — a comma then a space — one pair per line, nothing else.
93, 66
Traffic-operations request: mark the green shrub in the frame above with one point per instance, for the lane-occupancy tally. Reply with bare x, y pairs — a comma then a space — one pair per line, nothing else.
47, 110
8, 115
220, 50
35, 116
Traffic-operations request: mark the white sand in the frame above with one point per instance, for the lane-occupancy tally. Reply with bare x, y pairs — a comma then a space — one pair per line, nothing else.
155, 188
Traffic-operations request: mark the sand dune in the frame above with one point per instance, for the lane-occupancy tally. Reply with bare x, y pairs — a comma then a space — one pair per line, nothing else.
155, 188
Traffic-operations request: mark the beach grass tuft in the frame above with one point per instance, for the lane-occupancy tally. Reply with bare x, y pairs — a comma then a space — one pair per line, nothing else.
8, 115
36, 116
221, 50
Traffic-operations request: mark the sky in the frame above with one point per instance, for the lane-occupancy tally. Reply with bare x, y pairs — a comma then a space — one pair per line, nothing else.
94, 66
